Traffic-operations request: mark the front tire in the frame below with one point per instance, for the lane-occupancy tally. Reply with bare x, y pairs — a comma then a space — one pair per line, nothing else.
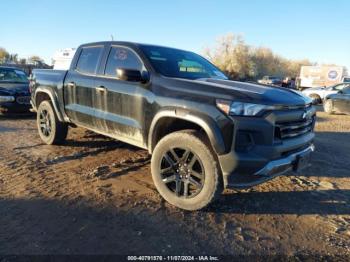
185, 170
328, 107
51, 130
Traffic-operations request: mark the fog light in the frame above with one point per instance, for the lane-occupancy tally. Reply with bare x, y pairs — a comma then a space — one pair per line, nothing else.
244, 141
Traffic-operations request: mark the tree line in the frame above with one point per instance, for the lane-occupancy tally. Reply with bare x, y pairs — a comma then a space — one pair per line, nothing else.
244, 62
8, 58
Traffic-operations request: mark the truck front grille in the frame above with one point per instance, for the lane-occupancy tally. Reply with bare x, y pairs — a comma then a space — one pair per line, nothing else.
285, 130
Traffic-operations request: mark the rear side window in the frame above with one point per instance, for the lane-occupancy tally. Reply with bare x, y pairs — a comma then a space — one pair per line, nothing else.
340, 87
89, 59
122, 57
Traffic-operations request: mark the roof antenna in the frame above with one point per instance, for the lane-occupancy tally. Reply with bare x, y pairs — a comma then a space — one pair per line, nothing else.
112, 37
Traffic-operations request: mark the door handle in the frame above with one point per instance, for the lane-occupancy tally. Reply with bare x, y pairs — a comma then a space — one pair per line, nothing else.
101, 89
71, 84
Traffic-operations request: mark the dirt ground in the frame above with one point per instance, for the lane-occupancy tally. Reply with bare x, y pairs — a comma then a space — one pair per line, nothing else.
95, 195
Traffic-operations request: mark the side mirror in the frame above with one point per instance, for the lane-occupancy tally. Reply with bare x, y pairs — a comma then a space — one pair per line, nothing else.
132, 75
340, 92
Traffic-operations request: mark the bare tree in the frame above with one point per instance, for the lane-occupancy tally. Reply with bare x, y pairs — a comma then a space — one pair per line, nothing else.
4, 55
23, 61
13, 58
35, 58
231, 54
241, 61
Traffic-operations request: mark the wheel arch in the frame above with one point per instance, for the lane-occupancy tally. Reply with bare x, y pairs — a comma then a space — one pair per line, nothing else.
42, 94
315, 94
181, 120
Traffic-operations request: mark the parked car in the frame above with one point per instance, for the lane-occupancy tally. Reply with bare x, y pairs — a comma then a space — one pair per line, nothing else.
14, 91
339, 102
203, 131
318, 94
270, 80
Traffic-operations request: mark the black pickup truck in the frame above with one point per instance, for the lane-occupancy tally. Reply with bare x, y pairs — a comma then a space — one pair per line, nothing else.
205, 133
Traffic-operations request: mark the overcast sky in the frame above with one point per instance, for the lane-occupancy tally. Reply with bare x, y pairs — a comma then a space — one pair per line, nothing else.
317, 30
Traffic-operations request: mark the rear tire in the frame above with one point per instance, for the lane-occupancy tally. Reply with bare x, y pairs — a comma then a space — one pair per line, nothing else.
51, 130
328, 107
185, 170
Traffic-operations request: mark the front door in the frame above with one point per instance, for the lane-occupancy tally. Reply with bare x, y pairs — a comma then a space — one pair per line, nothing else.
122, 102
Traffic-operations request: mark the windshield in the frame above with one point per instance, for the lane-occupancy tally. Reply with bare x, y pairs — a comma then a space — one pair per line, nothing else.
180, 64
13, 75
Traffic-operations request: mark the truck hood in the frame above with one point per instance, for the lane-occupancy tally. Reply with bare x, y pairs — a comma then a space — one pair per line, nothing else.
241, 91
14, 88
264, 94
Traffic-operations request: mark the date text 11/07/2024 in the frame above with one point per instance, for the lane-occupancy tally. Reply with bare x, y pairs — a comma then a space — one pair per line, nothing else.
173, 258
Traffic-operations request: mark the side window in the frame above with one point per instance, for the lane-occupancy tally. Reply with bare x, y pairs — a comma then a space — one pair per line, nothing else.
339, 87
89, 59
121, 57
190, 66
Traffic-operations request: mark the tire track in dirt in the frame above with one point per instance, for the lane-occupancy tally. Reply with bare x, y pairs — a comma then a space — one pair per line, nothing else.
50, 175
31, 177
279, 217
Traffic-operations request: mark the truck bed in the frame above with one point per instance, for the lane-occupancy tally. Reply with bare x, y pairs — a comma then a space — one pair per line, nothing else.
49, 76
51, 81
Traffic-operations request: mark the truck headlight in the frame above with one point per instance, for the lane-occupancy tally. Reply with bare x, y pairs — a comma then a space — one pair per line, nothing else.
7, 99
242, 109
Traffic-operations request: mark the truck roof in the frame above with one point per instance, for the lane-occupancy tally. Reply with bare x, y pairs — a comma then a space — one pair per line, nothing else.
127, 43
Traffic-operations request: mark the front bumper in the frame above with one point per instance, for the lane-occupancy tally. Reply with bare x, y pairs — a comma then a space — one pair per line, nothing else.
271, 170
14, 107
266, 147
283, 165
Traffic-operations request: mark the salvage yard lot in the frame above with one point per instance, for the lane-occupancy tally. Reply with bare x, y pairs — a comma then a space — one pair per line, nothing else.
95, 195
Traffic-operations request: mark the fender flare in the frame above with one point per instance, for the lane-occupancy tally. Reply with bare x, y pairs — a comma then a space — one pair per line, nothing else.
205, 122
53, 100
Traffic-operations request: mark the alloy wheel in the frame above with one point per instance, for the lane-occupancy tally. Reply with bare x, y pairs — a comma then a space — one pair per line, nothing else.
182, 172
45, 123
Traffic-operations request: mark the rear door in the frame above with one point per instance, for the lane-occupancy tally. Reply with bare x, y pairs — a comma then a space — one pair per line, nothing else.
79, 86
121, 102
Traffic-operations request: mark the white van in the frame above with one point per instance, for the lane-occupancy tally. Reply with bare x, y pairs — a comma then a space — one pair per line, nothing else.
62, 58
321, 76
